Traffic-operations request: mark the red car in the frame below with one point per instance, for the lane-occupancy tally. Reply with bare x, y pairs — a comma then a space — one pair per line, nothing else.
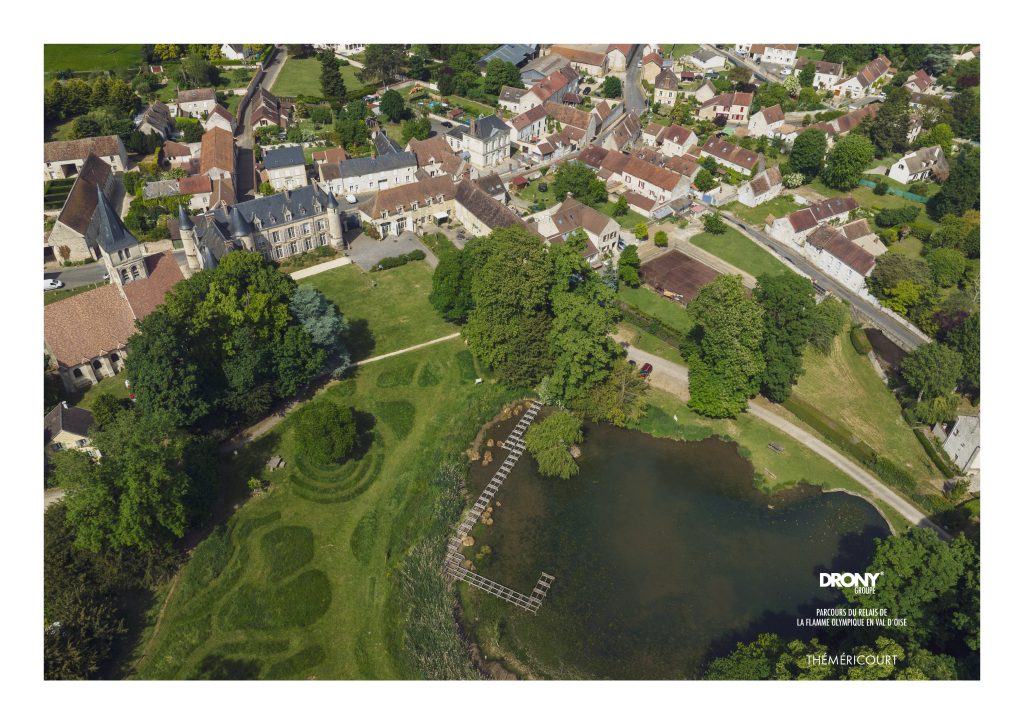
645, 371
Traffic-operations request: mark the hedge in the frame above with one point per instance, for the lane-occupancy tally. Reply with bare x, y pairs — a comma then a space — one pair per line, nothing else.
390, 262
650, 325
896, 217
832, 431
893, 474
859, 339
936, 454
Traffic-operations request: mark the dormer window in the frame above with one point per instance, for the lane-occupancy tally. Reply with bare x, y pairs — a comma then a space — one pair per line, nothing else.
384, 214
287, 214
258, 222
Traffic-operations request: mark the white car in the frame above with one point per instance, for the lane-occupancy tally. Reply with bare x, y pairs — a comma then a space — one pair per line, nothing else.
786, 71
351, 198
49, 284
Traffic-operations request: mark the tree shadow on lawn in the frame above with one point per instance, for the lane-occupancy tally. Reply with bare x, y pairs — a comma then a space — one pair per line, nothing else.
360, 340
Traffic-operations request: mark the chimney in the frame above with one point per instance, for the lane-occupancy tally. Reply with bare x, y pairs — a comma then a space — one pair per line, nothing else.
472, 127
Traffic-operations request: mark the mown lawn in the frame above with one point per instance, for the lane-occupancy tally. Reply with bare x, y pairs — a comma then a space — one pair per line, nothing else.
627, 221
678, 50
738, 250
667, 416
388, 310
301, 76
810, 53
107, 386
671, 314
868, 199
845, 387
777, 207
309, 580
648, 342
83, 57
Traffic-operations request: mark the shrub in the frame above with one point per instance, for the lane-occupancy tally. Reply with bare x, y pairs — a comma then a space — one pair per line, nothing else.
660, 238
892, 474
792, 180
859, 339
881, 188
549, 441
325, 432
896, 217
713, 224
640, 230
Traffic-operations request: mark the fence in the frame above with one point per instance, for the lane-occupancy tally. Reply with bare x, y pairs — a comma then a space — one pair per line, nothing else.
896, 192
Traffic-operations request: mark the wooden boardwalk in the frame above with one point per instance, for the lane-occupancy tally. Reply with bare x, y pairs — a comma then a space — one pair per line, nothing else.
454, 559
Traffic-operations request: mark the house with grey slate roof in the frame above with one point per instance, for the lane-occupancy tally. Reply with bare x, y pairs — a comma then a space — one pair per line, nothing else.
486, 142
285, 167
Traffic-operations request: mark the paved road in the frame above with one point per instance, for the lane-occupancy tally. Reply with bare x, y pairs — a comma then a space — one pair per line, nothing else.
77, 276
895, 329
244, 138
671, 376
759, 72
634, 95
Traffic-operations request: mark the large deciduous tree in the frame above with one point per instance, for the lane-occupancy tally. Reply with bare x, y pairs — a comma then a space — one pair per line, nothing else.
549, 441
848, 159
787, 301
325, 432
382, 63
581, 181
808, 152
932, 369
892, 123
962, 190
727, 363
392, 106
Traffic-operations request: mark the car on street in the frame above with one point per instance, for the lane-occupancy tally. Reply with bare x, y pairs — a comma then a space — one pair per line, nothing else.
646, 370
446, 124
49, 284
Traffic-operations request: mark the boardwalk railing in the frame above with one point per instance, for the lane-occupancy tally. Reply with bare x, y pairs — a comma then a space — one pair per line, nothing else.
453, 562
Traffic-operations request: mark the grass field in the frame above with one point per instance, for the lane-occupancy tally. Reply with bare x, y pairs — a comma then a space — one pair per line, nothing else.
810, 53
777, 207
301, 76
844, 386
678, 50
388, 310
671, 314
648, 342
90, 57
868, 199
738, 250
628, 221
56, 295
667, 416
314, 578
107, 386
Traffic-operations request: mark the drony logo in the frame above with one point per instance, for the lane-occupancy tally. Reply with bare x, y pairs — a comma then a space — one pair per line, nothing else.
860, 582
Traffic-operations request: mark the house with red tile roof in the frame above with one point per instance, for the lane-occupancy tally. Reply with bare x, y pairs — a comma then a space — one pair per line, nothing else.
733, 107
795, 227
766, 121
869, 78
732, 156
764, 187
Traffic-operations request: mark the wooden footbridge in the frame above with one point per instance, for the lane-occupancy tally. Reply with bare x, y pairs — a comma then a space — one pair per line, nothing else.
453, 562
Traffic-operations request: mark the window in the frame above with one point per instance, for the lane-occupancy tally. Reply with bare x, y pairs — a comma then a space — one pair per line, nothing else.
276, 236
320, 224
77, 373
291, 232
135, 272
57, 447
306, 228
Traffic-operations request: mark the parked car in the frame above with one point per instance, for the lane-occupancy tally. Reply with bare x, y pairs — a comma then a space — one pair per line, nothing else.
786, 71
646, 370
446, 124
586, 91
351, 198
52, 284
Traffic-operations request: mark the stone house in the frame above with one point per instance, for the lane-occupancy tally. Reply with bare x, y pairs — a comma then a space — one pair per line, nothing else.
219, 117
557, 223
157, 119
487, 141
963, 443
653, 64
197, 102
732, 156
666, 88
624, 133
434, 157
834, 253
360, 175
921, 165
67, 428
285, 167
588, 59
706, 60
826, 74
76, 228
861, 84
217, 154
765, 186
793, 228
766, 121
64, 159
777, 53
733, 107
677, 140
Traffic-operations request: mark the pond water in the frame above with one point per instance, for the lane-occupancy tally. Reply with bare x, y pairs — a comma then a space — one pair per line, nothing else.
664, 554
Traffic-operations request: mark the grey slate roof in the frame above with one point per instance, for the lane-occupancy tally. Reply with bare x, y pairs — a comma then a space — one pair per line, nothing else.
487, 127
284, 157
112, 234
75, 420
385, 145
388, 162
271, 209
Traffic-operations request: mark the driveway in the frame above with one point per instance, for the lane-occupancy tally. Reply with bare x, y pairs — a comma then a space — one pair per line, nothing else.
367, 252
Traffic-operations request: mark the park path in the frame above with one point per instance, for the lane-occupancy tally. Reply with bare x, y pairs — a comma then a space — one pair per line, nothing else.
674, 378
271, 421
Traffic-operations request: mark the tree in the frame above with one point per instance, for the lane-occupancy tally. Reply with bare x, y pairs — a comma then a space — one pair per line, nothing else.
965, 338
787, 301
705, 180
332, 85
446, 82
190, 128
392, 106
892, 122
508, 326
325, 432
962, 190
806, 75
808, 152
932, 369
197, 71
713, 223
621, 207
137, 496
451, 291
105, 408
947, 265
501, 73
966, 109
549, 441
660, 238
322, 320
938, 135
167, 52
848, 159
640, 231
827, 320
267, 189
629, 266
612, 87
382, 63
581, 181
727, 363
418, 128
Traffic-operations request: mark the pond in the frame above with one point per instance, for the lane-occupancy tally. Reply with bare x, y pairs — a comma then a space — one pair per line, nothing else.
664, 555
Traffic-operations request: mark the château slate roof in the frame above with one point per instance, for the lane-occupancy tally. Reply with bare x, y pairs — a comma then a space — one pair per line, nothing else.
284, 157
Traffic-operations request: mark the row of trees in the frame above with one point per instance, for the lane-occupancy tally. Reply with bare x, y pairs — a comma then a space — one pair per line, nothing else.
540, 315
933, 584
742, 344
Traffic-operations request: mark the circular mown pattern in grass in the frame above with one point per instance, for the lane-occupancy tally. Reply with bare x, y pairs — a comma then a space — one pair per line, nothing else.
429, 374
337, 483
286, 550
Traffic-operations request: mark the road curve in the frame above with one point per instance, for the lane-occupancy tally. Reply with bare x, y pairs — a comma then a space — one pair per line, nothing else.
672, 376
